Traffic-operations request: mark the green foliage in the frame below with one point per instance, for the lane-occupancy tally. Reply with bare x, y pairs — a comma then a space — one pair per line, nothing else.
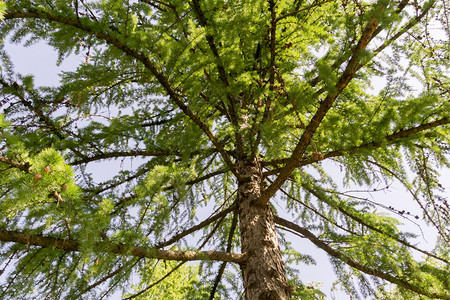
138, 146
2, 10
388, 292
183, 283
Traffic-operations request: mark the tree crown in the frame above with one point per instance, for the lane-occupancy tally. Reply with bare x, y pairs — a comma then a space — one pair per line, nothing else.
185, 94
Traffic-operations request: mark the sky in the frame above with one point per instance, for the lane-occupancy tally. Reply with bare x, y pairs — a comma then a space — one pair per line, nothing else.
40, 60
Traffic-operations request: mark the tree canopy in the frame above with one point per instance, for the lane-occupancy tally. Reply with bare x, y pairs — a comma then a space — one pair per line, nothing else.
217, 127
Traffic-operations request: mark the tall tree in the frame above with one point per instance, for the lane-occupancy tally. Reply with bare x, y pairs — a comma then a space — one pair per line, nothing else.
232, 108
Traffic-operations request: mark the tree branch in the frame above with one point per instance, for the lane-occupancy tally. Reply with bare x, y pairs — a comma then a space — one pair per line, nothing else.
23, 167
353, 263
324, 107
372, 227
390, 139
409, 25
121, 249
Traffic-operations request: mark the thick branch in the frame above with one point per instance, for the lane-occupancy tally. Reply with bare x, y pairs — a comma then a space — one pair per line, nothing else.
353, 263
24, 167
409, 25
390, 139
121, 249
325, 106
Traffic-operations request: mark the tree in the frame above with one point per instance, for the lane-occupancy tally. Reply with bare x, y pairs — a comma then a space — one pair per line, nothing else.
235, 108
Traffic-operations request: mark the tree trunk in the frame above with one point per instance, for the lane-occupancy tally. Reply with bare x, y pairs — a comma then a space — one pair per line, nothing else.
264, 274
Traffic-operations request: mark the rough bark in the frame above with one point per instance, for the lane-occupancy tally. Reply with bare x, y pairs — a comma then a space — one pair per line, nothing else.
263, 273
121, 249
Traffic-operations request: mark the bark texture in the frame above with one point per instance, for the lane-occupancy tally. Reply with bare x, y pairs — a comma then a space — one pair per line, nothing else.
264, 274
